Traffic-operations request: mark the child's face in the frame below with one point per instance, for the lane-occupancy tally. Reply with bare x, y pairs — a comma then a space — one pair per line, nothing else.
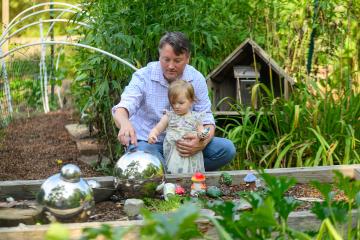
181, 105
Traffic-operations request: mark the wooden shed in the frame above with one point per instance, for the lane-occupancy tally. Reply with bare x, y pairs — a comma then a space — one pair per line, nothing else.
235, 76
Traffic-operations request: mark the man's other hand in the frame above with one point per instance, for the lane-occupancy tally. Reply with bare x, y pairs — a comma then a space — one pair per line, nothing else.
189, 145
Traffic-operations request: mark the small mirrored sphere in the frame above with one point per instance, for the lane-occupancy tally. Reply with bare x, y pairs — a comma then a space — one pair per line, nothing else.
70, 172
65, 198
137, 174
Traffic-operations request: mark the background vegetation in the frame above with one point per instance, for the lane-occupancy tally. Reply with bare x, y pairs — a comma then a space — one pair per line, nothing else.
317, 126
316, 42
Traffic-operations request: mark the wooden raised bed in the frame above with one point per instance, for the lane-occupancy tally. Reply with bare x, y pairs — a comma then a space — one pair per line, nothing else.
303, 220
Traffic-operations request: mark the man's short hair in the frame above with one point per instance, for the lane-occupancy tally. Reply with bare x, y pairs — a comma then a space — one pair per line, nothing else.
177, 40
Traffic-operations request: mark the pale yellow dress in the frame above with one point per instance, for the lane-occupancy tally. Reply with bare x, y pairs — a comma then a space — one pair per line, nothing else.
178, 126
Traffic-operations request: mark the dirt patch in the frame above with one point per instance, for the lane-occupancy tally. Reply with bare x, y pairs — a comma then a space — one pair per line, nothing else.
37, 147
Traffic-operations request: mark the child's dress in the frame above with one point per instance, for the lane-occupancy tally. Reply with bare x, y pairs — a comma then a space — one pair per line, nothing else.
179, 126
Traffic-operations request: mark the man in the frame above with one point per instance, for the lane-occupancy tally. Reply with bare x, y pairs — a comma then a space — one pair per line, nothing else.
146, 97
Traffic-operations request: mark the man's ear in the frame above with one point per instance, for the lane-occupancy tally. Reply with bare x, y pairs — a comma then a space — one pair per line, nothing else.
188, 58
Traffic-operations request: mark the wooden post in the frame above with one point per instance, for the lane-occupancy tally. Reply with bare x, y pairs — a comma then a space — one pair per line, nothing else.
286, 89
5, 20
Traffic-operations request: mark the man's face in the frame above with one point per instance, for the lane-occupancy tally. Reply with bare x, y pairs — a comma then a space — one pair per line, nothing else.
172, 65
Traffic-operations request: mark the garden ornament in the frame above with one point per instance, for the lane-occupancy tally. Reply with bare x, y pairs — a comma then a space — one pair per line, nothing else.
179, 190
225, 178
198, 187
169, 190
214, 192
66, 195
250, 180
137, 174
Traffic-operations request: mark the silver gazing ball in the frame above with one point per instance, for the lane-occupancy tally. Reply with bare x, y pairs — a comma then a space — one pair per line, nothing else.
66, 195
137, 174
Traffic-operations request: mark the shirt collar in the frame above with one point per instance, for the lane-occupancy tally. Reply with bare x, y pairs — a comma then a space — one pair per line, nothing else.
157, 75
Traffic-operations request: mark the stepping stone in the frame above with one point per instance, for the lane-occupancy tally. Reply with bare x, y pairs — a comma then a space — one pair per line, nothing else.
88, 147
92, 159
11, 217
132, 206
78, 131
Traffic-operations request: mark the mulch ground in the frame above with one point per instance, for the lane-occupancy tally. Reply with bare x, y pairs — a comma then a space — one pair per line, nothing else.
31, 147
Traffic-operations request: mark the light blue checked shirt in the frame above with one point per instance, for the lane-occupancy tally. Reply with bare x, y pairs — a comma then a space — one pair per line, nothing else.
146, 98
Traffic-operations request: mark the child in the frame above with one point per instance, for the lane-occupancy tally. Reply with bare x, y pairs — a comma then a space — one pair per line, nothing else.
178, 122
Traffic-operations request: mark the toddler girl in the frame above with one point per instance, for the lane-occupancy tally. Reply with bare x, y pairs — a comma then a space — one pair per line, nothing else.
179, 122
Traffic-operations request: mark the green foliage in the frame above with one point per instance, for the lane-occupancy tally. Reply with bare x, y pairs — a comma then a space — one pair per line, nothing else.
105, 231
339, 213
179, 224
310, 129
57, 231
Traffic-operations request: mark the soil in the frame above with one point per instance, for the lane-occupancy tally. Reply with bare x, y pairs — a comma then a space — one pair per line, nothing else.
36, 147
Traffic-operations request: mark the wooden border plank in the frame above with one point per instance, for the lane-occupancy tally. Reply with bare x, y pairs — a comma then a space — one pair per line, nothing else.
301, 221
303, 175
27, 189
38, 232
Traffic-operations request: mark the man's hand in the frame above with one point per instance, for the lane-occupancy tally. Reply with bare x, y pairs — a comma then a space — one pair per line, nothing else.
189, 145
127, 134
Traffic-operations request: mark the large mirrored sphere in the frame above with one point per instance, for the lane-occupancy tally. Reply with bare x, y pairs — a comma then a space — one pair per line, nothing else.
65, 198
137, 174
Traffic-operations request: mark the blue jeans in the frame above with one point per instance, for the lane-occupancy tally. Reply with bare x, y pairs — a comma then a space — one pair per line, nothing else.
219, 152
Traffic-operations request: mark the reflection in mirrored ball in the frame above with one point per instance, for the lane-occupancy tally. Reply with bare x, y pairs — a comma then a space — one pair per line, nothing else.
137, 174
66, 195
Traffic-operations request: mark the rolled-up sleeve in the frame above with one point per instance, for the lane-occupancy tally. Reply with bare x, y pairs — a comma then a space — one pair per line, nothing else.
132, 95
203, 103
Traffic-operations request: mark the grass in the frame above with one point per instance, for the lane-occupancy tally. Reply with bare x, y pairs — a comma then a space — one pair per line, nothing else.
158, 205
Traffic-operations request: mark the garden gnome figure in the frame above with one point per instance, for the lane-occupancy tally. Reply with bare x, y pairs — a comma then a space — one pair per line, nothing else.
198, 187
250, 180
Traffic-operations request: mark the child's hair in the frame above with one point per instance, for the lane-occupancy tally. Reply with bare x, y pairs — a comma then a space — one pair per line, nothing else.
180, 86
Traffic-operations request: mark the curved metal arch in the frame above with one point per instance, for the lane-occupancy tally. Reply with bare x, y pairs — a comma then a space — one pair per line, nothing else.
38, 22
7, 30
40, 5
71, 44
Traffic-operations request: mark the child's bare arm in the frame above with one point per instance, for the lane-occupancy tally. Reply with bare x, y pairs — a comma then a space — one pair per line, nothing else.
159, 128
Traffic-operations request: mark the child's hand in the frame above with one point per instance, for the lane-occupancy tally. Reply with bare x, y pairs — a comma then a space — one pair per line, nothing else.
152, 137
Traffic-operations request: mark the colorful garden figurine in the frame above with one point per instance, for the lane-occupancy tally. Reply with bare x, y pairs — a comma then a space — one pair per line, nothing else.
250, 180
226, 179
179, 190
198, 187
